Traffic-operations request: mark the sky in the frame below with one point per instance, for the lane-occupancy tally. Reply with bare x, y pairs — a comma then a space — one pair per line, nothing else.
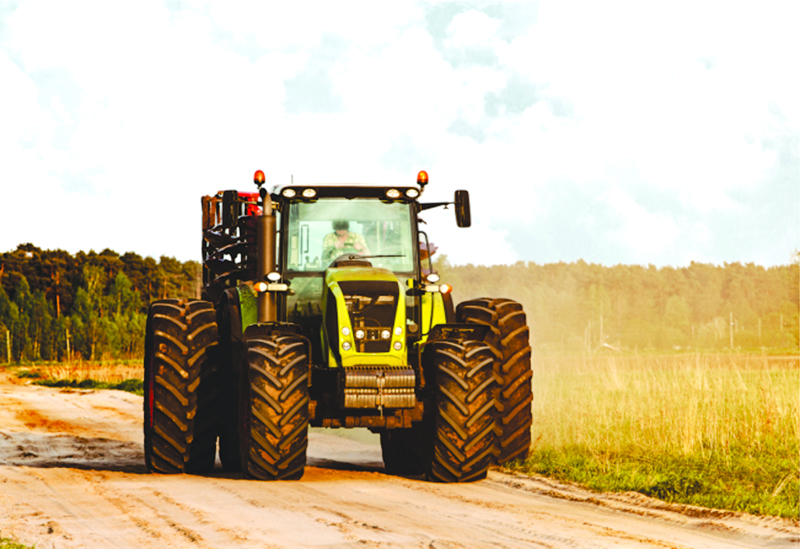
615, 133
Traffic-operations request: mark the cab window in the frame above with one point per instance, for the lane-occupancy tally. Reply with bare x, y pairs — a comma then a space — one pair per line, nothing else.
320, 232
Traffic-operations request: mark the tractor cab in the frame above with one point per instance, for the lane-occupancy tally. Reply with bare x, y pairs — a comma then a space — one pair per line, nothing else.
358, 244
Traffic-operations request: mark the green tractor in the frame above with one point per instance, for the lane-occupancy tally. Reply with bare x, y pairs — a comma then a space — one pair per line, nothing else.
320, 307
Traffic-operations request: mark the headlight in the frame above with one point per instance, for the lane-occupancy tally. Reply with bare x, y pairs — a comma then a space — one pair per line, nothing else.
433, 278
346, 346
360, 334
345, 331
309, 193
289, 193
398, 331
412, 193
386, 334
397, 345
393, 193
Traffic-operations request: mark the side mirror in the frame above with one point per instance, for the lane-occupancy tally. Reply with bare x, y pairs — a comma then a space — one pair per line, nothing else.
230, 209
463, 218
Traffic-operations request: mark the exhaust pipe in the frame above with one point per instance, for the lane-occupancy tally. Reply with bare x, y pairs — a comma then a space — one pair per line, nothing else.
265, 258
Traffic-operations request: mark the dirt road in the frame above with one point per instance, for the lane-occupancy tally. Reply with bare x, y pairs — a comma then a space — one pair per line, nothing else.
72, 475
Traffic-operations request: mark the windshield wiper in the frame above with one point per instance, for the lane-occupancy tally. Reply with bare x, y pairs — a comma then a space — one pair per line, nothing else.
355, 256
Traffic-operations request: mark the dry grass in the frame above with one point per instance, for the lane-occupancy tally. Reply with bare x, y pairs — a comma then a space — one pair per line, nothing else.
105, 372
680, 404
715, 430
109, 373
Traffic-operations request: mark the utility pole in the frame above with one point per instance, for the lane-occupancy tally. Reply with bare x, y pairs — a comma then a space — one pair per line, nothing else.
602, 338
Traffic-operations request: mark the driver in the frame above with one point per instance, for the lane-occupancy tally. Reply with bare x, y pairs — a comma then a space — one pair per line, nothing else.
341, 240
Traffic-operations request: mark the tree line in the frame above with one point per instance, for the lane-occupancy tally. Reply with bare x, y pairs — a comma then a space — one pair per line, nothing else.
58, 306
582, 307
55, 305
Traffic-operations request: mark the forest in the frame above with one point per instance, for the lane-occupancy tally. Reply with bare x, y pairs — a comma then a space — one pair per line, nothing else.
584, 308
58, 306
55, 306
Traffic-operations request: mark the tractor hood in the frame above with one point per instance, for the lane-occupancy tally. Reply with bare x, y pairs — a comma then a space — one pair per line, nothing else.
365, 316
359, 272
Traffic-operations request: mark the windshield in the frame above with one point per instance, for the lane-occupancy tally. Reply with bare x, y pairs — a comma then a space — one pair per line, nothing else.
322, 231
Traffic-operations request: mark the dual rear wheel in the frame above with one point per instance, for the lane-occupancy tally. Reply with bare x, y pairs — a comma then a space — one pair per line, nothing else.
180, 387
509, 335
187, 384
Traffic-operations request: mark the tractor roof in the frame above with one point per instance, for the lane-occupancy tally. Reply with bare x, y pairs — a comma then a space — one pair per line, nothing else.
317, 190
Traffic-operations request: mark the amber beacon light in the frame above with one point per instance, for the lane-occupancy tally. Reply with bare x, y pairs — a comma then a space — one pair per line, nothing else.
258, 178
422, 178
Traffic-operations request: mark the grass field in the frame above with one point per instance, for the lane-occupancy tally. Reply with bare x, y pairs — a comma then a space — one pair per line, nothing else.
713, 430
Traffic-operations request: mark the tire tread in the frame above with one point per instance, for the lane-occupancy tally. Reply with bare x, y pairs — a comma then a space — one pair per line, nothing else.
509, 336
181, 382
274, 436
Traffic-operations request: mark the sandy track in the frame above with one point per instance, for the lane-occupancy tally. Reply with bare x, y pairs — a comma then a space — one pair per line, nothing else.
72, 475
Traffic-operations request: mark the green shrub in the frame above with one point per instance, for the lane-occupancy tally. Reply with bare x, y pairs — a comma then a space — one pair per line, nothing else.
134, 386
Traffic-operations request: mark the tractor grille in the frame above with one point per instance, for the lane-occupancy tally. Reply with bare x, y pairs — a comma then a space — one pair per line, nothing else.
372, 306
379, 387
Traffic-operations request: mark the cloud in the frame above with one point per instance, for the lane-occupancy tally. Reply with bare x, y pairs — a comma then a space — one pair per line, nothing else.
471, 29
469, 40
404, 156
299, 25
613, 133
518, 95
312, 89
24, 123
646, 234
481, 244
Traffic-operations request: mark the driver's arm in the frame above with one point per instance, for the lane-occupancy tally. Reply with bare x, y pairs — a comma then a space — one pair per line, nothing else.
360, 244
328, 247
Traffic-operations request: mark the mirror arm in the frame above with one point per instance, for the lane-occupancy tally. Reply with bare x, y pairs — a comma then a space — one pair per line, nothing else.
428, 206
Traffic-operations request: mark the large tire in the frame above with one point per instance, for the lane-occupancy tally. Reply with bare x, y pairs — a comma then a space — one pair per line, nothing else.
230, 344
274, 400
463, 438
509, 335
180, 387
404, 450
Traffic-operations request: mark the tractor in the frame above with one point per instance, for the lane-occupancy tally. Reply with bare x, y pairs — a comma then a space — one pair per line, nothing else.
320, 306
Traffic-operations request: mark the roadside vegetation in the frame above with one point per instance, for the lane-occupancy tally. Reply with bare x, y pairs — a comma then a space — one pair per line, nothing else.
8, 543
122, 376
712, 430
